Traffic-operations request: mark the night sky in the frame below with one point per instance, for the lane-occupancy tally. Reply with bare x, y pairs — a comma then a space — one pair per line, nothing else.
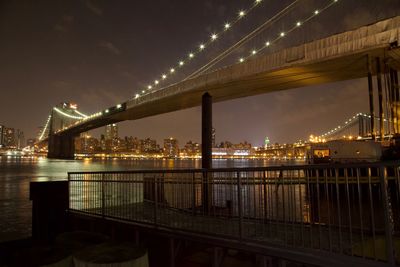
101, 53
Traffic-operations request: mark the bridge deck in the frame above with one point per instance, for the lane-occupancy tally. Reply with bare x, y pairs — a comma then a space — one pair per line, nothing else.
335, 58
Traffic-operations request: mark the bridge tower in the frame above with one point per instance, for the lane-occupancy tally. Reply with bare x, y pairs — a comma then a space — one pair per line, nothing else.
60, 145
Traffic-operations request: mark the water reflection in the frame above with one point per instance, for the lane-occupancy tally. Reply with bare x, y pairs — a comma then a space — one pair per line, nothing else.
17, 172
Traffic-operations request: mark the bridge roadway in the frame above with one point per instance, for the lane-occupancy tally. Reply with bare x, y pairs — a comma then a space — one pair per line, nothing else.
335, 58
339, 57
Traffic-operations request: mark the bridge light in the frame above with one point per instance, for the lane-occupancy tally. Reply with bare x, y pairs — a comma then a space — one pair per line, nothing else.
316, 12
258, 1
137, 96
227, 26
156, 82
253, 52
241, 59
214, 36
149, 87
143, 91
119, 106
181, 63
241, 13
267, 44
202, 46
172, 70
164, 76
191, 55
298, 24
282, 34
106, 111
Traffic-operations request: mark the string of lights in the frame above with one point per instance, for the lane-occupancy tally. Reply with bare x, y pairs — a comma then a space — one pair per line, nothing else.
244, 40
201, 47
227, 26
67, 115
45, 128
283, 34
80, 113
348, 123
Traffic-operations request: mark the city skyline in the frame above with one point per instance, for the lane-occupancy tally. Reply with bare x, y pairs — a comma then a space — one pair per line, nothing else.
84, 60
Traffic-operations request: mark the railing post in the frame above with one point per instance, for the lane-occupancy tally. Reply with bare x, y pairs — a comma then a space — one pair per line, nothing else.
155, 199
193, 193
387, 216
239, 189
69, 192
103, 199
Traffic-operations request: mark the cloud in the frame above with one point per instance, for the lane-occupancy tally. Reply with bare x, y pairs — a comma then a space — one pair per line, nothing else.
65, 24
110, 47
93, 7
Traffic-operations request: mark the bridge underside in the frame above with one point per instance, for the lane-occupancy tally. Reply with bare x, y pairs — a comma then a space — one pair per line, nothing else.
345, 56
328, 71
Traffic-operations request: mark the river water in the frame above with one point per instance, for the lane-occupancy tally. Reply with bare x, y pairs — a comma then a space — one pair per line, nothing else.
16, 173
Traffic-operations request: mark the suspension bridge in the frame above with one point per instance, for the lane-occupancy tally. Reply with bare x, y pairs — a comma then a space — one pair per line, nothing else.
368, 51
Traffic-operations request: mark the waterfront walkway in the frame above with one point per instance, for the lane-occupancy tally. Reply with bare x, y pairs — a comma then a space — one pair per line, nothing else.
348, 213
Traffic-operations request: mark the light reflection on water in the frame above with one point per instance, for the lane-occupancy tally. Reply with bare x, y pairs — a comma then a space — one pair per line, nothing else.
16, 173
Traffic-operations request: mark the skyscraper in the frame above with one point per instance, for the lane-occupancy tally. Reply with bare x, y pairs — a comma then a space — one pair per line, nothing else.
9, 138
111, 131
171, 148
20, 140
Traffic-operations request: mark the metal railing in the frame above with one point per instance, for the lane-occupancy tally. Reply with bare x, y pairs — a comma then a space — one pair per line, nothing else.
348, 209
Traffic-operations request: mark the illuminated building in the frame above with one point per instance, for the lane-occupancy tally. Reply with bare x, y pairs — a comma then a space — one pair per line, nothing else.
225, 144
266, 142
243, 146
111, 131
132, 144
171, 148
149, 146
191, 149
31, 142
103, 142
9, 138
87, 144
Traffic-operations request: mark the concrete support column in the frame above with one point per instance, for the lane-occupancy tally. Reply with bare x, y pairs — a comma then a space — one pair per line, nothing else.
380, 96
206, 149
206, 131
61, 146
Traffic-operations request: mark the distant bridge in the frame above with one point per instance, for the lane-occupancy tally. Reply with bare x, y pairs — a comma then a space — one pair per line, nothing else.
363, 52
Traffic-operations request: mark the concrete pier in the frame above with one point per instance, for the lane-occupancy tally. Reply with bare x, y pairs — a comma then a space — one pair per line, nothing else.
61, 147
